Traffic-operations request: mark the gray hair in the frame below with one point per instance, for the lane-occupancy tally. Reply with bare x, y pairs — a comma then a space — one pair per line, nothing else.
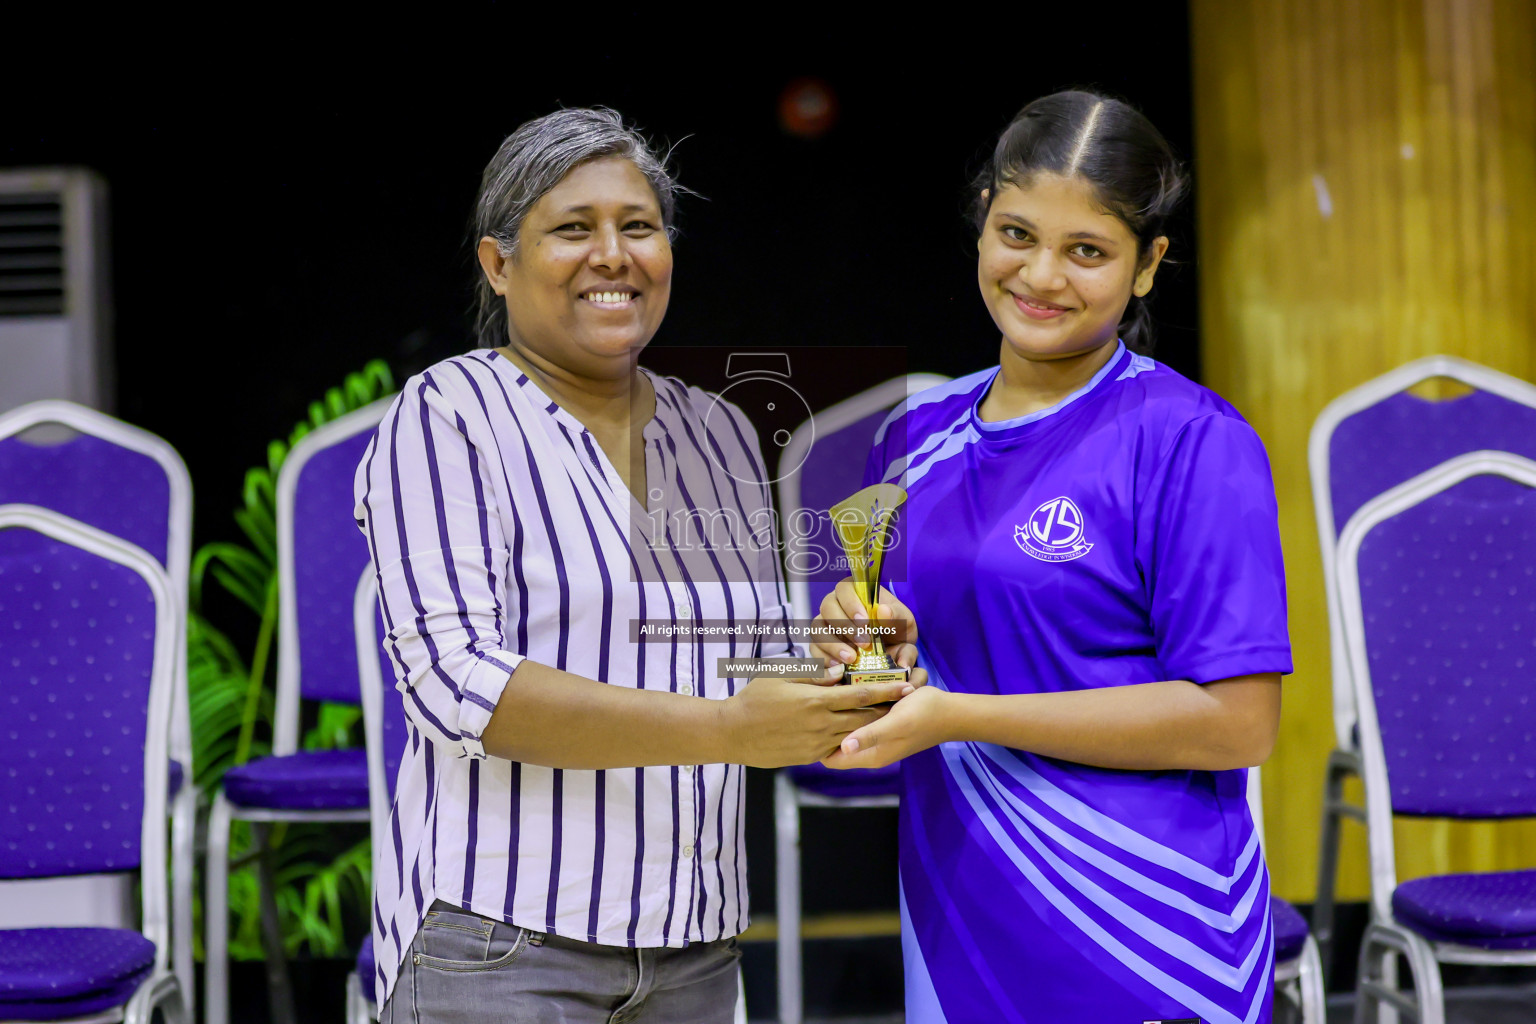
531, 162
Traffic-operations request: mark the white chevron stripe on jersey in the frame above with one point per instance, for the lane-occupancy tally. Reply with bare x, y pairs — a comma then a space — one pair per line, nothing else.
952, 446
1115, 831
1069, 908
1234, 976
928, 396
1226, 922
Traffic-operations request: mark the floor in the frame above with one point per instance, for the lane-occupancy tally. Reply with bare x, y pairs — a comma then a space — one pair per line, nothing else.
1481, 1005
1462, 1006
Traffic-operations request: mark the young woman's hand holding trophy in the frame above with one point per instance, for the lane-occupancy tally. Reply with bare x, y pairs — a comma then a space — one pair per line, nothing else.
863, 524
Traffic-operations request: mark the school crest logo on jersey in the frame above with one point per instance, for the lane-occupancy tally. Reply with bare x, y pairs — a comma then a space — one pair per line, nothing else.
1054, 532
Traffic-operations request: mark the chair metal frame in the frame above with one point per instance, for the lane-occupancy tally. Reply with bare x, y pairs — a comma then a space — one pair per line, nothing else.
1301, 978
178, 557
1384, 937
360, 1005
161, 990
285, 718
1344, 759
838, 417
365, 608
788, 798
285, 736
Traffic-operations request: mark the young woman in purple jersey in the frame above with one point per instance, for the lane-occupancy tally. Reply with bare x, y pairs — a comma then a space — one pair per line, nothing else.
1093, 558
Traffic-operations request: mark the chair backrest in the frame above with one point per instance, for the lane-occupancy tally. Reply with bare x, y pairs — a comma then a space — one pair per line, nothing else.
319, 554
384, 725
828, 453
105, 473
111, 476
1437, 583
88, 635
1378, 435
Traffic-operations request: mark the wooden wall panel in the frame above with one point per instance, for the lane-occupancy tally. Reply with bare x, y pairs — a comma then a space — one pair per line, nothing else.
1366, 194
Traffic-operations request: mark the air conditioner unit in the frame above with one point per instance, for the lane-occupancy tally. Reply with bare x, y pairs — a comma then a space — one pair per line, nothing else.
55, 305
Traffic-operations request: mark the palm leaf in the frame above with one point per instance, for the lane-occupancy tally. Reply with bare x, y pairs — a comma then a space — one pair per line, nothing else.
250, 569
335, 729
258, 518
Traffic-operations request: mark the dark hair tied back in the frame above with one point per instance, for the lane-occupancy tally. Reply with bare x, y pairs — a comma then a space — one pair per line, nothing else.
1116, 149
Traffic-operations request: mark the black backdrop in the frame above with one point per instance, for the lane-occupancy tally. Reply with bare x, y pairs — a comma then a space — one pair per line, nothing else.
278, 220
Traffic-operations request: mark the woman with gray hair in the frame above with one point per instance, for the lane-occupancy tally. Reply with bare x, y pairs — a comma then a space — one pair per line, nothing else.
567, 823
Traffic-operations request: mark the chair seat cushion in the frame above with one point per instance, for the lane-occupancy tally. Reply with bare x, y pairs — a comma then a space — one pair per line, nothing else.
55, 973
1290, 929
365, 968
1496, 910
851, 783
316, 780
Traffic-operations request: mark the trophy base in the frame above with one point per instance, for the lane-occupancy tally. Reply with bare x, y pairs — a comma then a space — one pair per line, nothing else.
894, 674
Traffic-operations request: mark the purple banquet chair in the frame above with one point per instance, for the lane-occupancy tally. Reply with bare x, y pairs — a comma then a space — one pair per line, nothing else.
1298, 966
89, 632
822, 464
1365, 442
319, 555
131, 484
1437, 594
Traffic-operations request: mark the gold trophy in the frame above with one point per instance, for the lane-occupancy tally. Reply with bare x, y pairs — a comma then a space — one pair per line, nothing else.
863, 523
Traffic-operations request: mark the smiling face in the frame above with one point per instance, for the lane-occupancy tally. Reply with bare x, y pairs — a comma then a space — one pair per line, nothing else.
589, 283
1056, 270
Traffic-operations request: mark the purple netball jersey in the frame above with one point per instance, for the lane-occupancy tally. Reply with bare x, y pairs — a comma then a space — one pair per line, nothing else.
1125, 535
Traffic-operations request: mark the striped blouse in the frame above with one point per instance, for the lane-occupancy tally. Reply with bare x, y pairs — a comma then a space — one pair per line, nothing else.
500, 531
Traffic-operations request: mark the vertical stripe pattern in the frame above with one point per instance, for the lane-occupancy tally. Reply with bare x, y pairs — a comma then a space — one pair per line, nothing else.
499, 532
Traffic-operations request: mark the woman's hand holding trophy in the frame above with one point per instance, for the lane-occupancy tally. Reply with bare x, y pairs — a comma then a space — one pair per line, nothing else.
862, 625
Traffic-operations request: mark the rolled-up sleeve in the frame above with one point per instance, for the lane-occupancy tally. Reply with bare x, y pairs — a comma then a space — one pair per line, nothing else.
427, 503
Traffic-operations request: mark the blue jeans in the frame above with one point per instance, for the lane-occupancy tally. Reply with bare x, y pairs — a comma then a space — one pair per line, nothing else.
466, 969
